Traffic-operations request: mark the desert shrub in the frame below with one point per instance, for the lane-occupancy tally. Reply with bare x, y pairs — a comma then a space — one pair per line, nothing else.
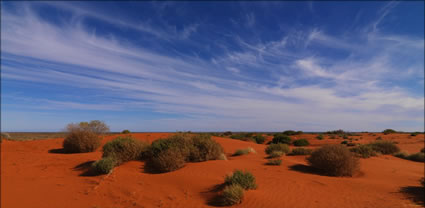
180, 142
204, 148
245, 179
413, 134
281, 138
363, 151
389, 131
222, 157
104, 165
244, 151
167, 161
418, 157
275, 154
344, 142
227, 133
351, 144
124, 149
259, 139
232, 194
5, 135
301, 151
344, 136
125, 131
95, 126
274, 162
339, 131
301, 142
334, 160
277, 148
384, 147
320, 137
79, 141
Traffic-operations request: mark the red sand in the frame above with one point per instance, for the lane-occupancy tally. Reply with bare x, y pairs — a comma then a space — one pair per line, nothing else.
33, 177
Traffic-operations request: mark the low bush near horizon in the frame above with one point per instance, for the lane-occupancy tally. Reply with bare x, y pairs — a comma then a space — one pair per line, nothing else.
417, 157
301, 151
259, 139
244, 151
284, 148
389, 131
125, 131
124, 149
168, 160
281, 139
334, 160
204, 148
301, 142
243, 178
320, 137
81, 141
363, 151
276, 154
384, 147
232, 194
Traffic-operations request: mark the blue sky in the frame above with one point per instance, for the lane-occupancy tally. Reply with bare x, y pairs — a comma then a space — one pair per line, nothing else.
213, 66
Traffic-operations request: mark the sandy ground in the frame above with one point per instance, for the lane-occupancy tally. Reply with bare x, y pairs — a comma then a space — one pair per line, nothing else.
35, 174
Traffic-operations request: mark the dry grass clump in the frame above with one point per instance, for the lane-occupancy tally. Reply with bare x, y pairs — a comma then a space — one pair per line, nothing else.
334, 160
243, 178
384, 147
124, 149
244, 151
281, 139
274, 162
232, 194
363, 151
259, 139
277, 148
417, 157
80, 141
235, 184
170, 154
276, 154
301, 151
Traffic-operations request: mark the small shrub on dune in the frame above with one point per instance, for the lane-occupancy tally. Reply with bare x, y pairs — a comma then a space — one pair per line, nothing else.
232, 194
363, 151
277, 148
80, 141
125, 131
276, 154
259, 139
204, 148
282, 139
418, 157
244, 151
104, 165
124, 149
245, 179
276, 162
384, 147
168, 160
402, 155
301, 142
320, 137
181, 142
301, 151
334, 160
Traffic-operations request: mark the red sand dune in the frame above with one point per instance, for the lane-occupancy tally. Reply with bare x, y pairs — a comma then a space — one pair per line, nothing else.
33, 177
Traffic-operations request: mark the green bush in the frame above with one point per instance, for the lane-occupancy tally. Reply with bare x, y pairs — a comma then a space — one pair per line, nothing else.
204, 148
363, 151
320, 137
384, 147
181, 142
80, 141
259, 139
277, 148
301, 142
168, 160
125, 131
104, 165
124, 149
244, 151
418, 157
344, 142
274, 162
245, 179
281, 138
232, 194
334, 160
389, 131
301, 151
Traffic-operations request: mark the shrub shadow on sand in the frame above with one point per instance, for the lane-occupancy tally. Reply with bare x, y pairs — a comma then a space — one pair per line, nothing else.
216, 200
306, 169
414, 193
85, 168
58, 151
